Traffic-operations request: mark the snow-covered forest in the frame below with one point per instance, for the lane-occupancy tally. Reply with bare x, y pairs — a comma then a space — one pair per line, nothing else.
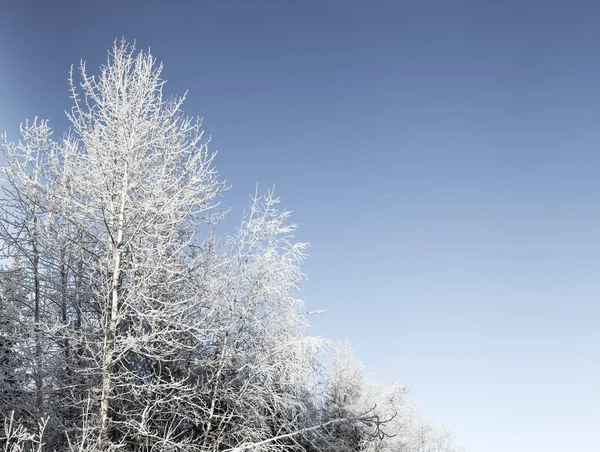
127, 324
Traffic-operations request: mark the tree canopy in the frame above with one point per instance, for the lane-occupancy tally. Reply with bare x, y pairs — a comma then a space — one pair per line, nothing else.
123, 327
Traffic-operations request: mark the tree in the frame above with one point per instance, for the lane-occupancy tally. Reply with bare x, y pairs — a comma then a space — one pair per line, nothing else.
22, 213
124, 329
265, 360
135, 178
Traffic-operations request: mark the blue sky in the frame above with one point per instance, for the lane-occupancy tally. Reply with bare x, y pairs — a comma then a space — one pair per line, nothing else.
441, 158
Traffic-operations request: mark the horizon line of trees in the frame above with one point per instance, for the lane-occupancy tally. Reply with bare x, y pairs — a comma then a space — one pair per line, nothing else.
125, 327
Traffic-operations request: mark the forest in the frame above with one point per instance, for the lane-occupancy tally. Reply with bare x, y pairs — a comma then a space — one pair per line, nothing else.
128, 324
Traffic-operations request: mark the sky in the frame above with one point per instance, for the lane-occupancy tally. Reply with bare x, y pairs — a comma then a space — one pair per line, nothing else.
441, 158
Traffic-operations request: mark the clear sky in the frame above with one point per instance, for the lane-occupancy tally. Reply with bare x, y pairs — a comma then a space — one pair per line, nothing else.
441, 157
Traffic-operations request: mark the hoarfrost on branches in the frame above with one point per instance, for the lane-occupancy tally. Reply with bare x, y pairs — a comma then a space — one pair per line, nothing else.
121, 328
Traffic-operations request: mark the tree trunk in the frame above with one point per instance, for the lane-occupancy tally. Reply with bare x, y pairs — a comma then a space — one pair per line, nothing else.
39, 394
111, 323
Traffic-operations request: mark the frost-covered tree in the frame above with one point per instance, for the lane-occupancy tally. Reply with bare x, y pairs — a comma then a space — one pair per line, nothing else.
401, 426
351, 394
265, 360
22, 214
11, 373
125, 326
135, 178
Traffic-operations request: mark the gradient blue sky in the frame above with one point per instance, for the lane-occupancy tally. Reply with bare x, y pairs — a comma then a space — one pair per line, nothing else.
441, 158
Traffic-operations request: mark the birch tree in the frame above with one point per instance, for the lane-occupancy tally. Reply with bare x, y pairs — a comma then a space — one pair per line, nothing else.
136, 178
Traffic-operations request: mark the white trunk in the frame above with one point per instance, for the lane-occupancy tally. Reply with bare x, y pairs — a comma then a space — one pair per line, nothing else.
112, 314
